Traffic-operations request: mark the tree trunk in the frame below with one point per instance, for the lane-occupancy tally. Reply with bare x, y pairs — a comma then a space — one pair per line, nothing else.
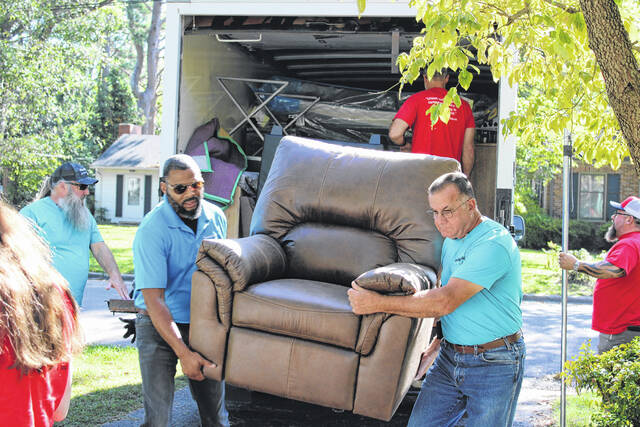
611, 45
150, 95
147, 99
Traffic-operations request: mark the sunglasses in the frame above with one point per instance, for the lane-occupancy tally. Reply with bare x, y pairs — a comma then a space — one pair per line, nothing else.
181, 188
80, 187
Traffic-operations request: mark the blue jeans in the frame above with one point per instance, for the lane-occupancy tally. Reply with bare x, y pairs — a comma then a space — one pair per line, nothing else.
158, 368
482, 387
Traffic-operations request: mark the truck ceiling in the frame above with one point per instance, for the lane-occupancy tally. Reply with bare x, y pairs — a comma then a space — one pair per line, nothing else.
336, 50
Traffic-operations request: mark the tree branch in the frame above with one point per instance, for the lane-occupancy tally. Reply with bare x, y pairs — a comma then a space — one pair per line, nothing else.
564, 7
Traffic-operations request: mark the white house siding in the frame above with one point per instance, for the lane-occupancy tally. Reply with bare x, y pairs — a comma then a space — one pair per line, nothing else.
105, 195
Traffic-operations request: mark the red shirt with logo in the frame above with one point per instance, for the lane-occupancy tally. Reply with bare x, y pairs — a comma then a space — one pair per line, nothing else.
616, 302
445, 140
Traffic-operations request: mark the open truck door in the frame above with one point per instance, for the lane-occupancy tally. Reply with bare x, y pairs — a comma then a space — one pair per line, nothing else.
224, 59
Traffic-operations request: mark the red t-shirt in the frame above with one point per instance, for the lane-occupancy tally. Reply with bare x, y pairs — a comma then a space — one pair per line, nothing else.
29, 400
616, 302
443, 140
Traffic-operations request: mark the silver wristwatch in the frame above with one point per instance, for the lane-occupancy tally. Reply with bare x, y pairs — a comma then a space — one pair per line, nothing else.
576, 265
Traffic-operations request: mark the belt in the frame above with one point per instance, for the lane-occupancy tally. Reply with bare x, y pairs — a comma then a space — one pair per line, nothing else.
634, 328
481, 348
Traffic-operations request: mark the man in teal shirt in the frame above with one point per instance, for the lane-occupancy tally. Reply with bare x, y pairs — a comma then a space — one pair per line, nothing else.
479, 366
62, 219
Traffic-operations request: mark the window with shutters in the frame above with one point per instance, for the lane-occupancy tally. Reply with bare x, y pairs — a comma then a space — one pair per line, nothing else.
592, 194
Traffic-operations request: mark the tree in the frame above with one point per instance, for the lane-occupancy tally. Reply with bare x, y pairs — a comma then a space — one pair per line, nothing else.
577, 60
114, 101
50, 54
145, 27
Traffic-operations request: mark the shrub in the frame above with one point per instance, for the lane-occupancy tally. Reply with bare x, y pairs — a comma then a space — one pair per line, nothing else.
541, 229
577, 281
615, 376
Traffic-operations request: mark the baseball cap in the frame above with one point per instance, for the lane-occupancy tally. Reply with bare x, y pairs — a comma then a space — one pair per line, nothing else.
630, 205
72, 172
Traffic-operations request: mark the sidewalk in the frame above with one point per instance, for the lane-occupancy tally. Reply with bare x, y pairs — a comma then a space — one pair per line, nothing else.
541, 315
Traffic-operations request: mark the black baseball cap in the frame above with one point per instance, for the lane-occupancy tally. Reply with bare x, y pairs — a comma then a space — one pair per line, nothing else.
72, 172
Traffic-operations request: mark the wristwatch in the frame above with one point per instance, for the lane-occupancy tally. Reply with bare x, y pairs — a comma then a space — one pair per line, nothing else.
576, 265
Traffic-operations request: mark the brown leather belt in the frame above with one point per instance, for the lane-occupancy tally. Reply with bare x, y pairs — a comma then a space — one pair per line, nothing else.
481, 348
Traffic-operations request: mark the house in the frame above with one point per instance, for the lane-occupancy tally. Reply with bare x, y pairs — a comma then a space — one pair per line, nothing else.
129, 176
592, 188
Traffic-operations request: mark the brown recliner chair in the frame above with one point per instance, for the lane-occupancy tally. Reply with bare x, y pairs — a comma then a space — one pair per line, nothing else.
272, 309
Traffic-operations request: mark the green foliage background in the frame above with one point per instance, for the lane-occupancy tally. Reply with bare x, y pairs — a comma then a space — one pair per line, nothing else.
615, 377
63, 68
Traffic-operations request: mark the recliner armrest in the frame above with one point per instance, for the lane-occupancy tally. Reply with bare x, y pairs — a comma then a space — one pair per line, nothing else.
247, 260
399, 278
404, 278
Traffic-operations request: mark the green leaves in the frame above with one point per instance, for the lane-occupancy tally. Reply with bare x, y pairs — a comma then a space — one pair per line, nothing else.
614, 376
541, 48
464, 78
51, 54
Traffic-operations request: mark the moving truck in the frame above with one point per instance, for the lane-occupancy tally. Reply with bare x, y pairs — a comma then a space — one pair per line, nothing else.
225, 57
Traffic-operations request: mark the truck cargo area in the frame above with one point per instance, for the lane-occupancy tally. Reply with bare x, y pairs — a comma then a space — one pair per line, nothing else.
340, 83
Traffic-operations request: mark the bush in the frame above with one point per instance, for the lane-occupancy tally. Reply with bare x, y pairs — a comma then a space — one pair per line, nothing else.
541, 229
577, 282
615, 376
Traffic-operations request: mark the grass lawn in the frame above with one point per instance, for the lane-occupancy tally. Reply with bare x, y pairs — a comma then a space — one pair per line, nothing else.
106, 385
579, 409
119, 238
537, 278
542, 276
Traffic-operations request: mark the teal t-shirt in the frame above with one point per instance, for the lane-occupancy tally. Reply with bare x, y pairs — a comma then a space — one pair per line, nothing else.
70, 246
487, 256
164, 254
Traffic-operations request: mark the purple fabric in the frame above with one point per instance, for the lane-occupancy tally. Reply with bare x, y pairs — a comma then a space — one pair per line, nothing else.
227, 160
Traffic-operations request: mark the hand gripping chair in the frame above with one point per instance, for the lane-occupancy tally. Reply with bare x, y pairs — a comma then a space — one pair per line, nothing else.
271, 310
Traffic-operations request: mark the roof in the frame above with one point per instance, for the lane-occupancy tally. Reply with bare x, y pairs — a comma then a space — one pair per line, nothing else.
131, 151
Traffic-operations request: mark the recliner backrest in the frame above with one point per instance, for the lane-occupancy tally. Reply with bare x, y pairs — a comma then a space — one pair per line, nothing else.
340, 211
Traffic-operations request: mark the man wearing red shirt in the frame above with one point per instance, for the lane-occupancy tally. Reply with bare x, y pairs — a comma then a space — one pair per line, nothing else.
453, 139
616, 297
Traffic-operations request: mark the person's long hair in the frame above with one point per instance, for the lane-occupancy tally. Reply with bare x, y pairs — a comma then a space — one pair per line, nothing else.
34, 311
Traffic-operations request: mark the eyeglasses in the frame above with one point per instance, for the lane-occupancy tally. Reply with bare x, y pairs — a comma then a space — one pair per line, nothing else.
80, 187
620, 213
446, 213
181, 188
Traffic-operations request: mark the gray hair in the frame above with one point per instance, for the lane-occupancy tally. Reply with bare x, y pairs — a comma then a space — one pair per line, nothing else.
45, 189
179, 162
458, 179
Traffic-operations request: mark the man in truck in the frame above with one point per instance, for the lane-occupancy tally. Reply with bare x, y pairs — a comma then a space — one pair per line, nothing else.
453, 139
478, 371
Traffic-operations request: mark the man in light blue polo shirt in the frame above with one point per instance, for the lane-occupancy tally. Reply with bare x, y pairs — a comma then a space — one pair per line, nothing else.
64, 222
164, 254
477, 373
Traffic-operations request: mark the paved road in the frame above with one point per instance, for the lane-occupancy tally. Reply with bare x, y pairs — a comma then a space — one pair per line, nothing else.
542, 334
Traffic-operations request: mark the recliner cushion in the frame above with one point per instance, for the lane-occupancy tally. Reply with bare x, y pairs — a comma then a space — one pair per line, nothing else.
315, 311
335, 253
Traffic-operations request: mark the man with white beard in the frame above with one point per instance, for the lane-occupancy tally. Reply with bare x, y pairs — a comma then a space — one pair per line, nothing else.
65, 223
616, 296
